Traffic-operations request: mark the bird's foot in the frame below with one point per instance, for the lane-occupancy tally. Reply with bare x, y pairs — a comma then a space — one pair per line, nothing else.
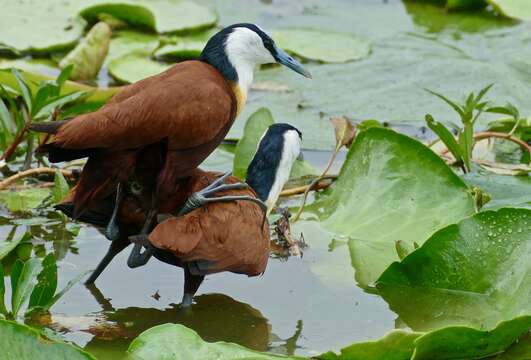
205, 196
137, 257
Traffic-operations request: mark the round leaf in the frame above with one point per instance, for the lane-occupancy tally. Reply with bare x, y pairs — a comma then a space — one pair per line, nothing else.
134, 67
322, 45
517, 9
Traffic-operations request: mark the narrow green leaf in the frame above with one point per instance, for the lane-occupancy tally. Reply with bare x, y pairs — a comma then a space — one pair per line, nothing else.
26, 282
10, 244
456, 107
68, 286
483, 92
46, 286
5, 118
44, 92
16, 270
3, 309
24, 89
446, 137
59, 102
64, 75
60, 188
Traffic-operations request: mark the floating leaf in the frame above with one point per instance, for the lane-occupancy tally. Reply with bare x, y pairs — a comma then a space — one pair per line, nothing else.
176, 342
322, 45
60, 187
397, 345
23, 200
19, 341
473, 273
517, 9
88, 56
514, 191
391, 188
186, 47
40, 26
163, 16
134, 67
128, 41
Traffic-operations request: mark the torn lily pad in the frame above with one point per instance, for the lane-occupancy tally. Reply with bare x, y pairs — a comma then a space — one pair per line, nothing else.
162, 16
322, 45
134, 67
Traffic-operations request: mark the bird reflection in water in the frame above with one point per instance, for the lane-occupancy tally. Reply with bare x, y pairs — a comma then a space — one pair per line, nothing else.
215, 317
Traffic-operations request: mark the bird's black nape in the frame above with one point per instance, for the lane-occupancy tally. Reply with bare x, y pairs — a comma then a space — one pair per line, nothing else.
262, 170
215, 55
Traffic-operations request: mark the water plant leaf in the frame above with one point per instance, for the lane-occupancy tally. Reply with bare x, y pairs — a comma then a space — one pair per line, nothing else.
344, 130
60, 187
162, 16
134, 67
44, 290
391, 187
23, 200
23, 283
513, 191
40, 26
89, 54
176, 342
3, 310
474, 273
322, 45
517, 9
185, 47
464, 4
24, 89
11, 243
19, 341
446, 137
396, 345
130, 41
68, 286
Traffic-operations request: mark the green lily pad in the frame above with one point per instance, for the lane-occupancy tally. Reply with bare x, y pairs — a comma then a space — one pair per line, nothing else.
175, 342
134, 67
391, 187
19, 341
186, 47
23, 200
322, 45
474, 273
125, 42
255, 127
162, 16
40, 26
397, 345
517, 9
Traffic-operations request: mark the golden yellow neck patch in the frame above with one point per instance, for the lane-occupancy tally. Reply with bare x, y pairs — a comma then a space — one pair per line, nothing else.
241, 97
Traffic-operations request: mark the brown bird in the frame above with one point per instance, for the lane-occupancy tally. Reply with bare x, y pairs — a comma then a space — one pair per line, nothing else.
187, 110
214, 231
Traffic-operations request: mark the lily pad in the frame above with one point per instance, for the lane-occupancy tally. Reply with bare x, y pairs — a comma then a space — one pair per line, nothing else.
322, 45
517, 9
391, 187
175, 342
23, 200
40, 26
186, 47
474, 273
397, 345
129, 41
162, 16
134, 67
19, 341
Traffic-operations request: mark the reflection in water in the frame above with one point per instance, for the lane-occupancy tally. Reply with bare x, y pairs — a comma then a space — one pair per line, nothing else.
215, 317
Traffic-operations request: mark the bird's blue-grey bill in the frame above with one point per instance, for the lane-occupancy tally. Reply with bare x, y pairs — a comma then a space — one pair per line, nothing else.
283, 58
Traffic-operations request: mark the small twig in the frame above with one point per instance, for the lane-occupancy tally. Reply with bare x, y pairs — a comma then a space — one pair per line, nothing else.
33, 172
302, 189
314, 182
491, 134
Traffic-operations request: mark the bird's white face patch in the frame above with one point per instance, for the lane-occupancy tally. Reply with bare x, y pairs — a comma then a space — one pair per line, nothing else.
245, 49
290, 153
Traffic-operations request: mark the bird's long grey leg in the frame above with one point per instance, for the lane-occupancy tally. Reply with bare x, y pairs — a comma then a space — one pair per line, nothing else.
137, 257
191, 284
202, 197
114, 249
112, 231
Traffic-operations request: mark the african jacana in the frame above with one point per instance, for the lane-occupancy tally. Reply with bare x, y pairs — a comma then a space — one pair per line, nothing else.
211, 234
187, 109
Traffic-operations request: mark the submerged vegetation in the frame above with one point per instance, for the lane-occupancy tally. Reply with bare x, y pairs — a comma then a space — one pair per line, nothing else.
429, 224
